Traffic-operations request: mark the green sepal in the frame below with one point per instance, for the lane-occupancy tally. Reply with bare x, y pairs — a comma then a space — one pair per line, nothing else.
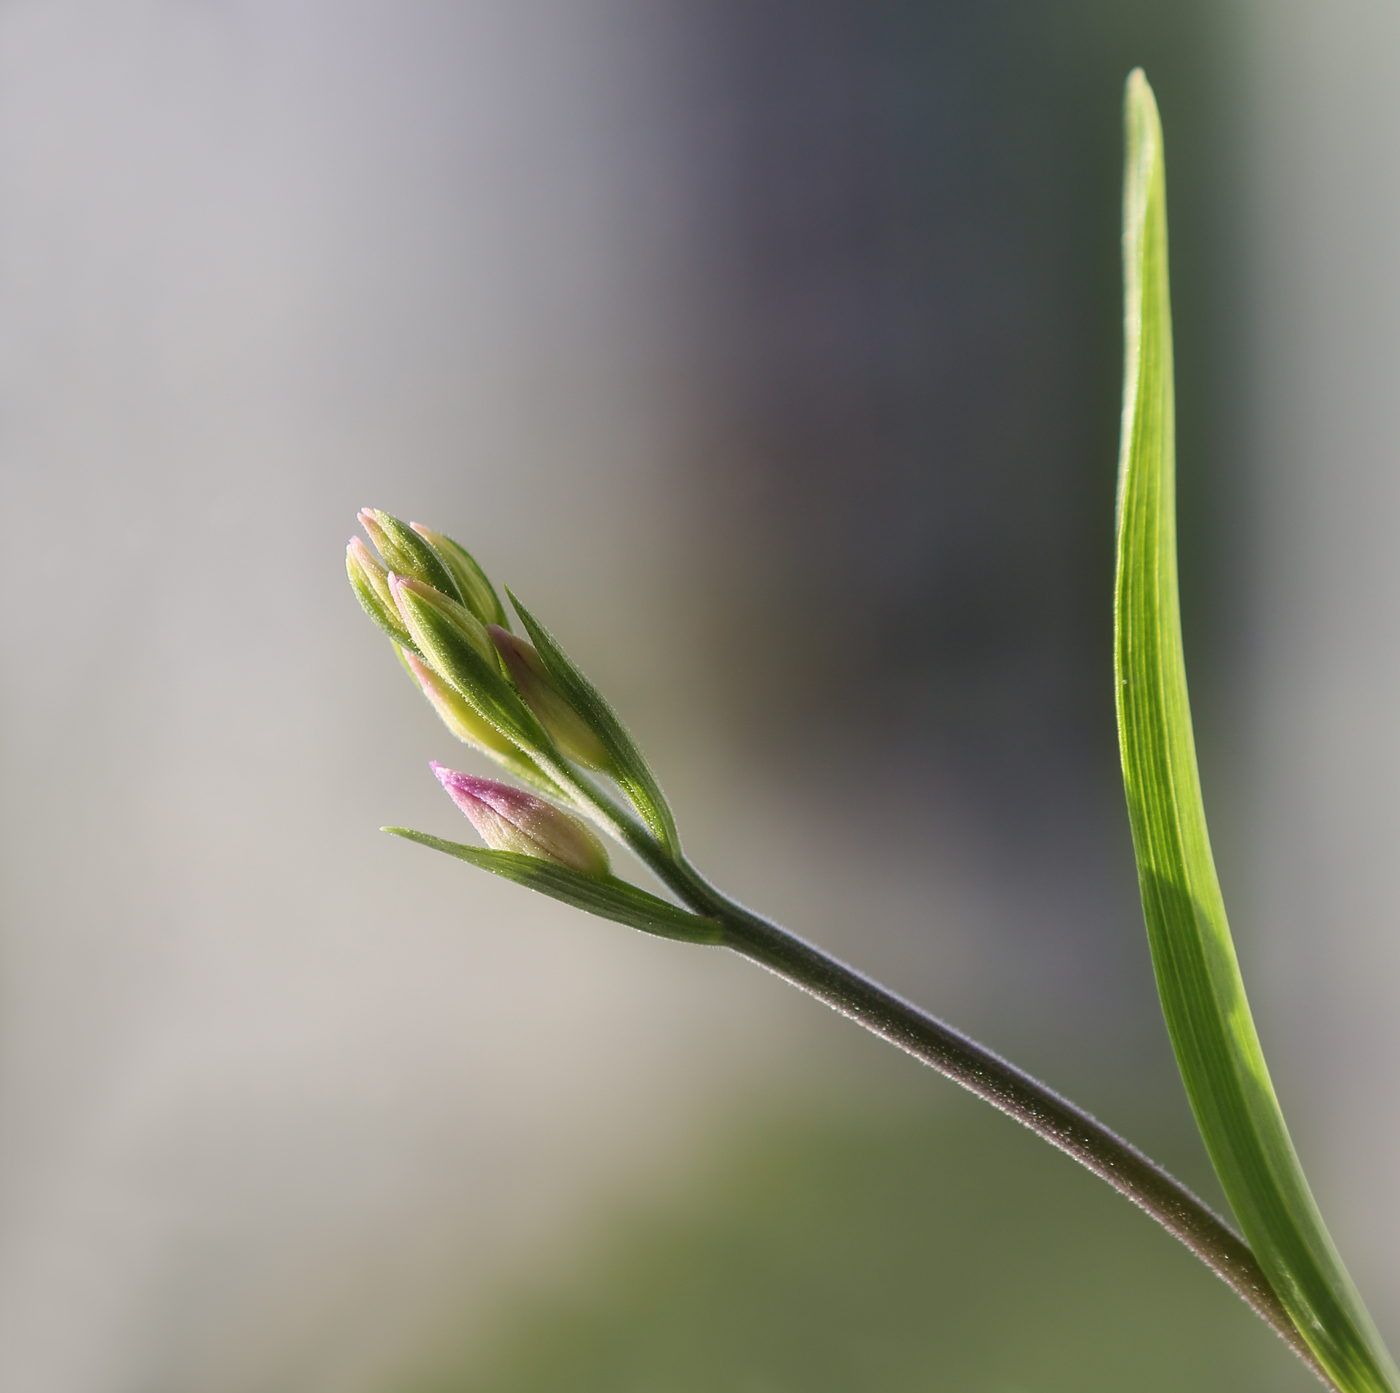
373, 605
629, 768
408, 554
477, 678
478, 594
445, 648
1198, 976
607, 897
511, 759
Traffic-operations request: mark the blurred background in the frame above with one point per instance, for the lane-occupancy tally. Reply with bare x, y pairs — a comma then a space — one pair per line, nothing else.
771, 352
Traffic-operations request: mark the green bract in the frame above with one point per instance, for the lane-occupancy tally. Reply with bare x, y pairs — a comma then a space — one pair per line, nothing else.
606, 896
478, 594
627, 765
1198, 977
458, 648
455, 713
408, 554
370, 582
569, 731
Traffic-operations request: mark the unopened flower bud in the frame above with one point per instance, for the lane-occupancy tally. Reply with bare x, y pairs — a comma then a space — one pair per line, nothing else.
370, 582
511, 820
478, 594
569, 731
456, 715
410, 596
405, 553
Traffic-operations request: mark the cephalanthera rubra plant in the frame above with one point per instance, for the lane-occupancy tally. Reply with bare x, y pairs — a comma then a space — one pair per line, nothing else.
522, 702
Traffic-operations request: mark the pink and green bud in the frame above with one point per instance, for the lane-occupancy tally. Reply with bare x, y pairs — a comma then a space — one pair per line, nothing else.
405, 553
411, 597
456, 714
370, 582
569, 731
478, 594
509, 819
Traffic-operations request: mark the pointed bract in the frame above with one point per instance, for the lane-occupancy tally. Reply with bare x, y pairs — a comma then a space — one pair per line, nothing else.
457, 648
478, 594
456, 715
569, 731
462, 620
405, 553
370, 582
626, 763
509, 819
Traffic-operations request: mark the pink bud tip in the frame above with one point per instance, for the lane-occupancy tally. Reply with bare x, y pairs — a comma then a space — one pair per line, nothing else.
469, 789
510, 819
456, 782
370, 522
414, 586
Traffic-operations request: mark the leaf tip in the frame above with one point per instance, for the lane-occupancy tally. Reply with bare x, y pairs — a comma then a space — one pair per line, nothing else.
1143, 128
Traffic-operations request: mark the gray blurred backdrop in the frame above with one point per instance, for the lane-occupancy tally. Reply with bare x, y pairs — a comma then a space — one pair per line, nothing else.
771, 351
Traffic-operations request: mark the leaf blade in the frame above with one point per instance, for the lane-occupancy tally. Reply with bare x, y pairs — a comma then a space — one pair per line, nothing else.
1198, 977
604, 896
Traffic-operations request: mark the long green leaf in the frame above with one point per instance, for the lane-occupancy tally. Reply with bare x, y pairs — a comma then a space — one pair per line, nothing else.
607, 896
1198, 977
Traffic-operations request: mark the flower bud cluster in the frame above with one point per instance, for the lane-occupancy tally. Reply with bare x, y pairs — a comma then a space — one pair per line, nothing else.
486, 684
423, 581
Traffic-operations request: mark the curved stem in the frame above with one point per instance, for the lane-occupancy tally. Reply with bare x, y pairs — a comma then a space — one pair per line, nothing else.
993, 1079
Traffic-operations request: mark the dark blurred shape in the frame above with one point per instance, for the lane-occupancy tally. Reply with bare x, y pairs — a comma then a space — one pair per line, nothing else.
915, 351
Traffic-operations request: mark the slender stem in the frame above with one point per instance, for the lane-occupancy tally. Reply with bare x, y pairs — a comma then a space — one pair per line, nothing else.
1003, 1085
995, 1080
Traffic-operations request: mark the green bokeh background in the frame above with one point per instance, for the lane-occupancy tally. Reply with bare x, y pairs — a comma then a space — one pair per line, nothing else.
771, 352
902, 1248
